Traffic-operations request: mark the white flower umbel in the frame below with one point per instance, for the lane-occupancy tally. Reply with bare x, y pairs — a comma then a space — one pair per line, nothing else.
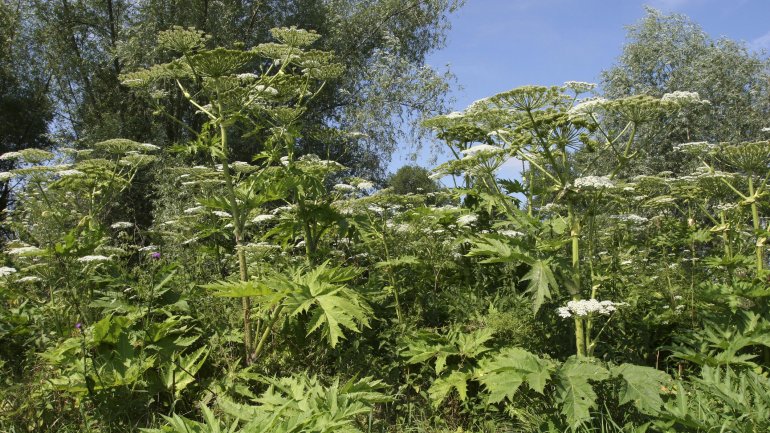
467, 219
262, 218
682, 97
196, 209
5, 271
511, 233
70, 172
365, 185
586, 107
595, 182
481, 149
94, 259
344, 187
24, 251
632, 218
766, 129
29, 279
580, 86
222, 214
122, 225
586, 307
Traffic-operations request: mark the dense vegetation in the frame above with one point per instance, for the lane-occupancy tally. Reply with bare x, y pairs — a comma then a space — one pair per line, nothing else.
228, 278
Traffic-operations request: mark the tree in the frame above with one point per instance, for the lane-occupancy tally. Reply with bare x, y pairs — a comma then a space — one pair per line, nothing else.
412, 179
382, 45
25, 108
668, 53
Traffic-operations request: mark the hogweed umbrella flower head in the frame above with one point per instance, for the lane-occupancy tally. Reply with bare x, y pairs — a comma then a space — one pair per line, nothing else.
122, 225
24, 251
262, 218
467, 219
683, 98
587, 107
5, 271
593, 182
95, 258
481, 149
579, 86
587, 307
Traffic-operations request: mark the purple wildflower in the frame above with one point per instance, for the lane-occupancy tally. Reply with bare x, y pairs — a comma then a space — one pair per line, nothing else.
78, 326
155, 255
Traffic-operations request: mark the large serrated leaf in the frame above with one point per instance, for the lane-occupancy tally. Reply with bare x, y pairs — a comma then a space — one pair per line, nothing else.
574, 393
541, 282
441, 387
641, 385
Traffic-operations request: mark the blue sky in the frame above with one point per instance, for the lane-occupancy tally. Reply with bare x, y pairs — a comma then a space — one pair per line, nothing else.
496, 45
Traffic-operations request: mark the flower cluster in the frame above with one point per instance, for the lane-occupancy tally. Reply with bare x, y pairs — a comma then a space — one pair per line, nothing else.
262, 218
682, 97
94, 259
5, 271
122, 225
586, 107
481, 149
467, 219
583, 308
593, 182
579, 86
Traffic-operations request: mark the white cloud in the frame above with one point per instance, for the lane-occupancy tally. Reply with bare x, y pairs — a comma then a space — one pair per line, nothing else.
761, 43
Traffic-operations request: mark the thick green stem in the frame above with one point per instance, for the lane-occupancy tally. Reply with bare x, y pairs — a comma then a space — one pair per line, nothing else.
580, 336
240, 252
760, 243
266, 332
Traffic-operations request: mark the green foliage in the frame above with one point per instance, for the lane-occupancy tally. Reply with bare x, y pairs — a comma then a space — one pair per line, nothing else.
186, 285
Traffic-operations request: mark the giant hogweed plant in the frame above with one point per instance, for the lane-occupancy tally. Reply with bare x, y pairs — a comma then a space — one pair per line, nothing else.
266, 103
544, 127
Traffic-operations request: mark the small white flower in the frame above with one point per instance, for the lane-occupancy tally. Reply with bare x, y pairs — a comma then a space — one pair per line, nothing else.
365, 185
221, 214
375, 209
122, 225
262, 218
11, 155
24, 251
682, 97
29, 279
282, 209
481, 149
580, 86
583, 308
148, 146
596, 182
94, 259
5, 271
269, 90
247, 76
344, 187
467, 219
766, 129
70, 172
196, 209
149, 248
511, 233
586, 107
